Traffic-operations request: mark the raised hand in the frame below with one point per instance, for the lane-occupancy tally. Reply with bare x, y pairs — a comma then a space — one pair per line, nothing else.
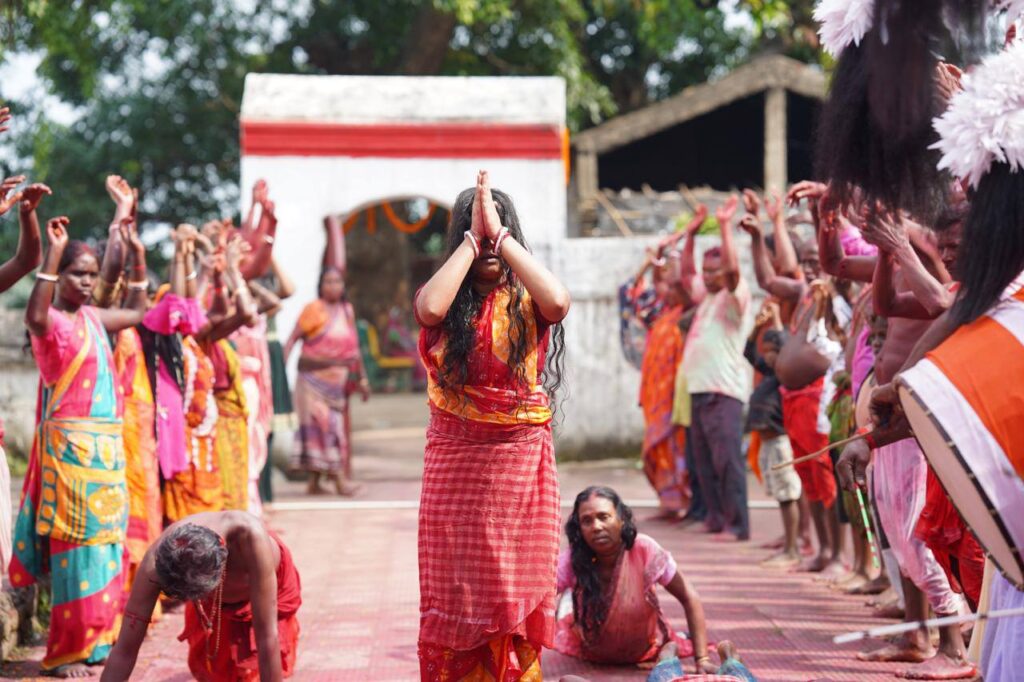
491, 221
260, 192
751, 225
5, 118
120, 193
947, 80
726, 211
886, 231
806, 189
700, 215
57, 232
6, 202
32, 195
773, 206
751, 202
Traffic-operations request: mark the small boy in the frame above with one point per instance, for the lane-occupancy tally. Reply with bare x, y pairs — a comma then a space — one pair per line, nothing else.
764, 418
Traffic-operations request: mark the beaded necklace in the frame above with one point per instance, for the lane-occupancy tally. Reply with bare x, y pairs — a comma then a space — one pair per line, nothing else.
212, 622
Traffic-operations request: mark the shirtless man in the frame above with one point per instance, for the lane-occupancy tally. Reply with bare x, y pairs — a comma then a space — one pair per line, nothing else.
900, 468
801, 368
239, 586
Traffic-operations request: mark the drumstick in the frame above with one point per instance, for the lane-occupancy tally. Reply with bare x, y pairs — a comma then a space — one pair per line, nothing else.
819, 453
936, 622
867, 529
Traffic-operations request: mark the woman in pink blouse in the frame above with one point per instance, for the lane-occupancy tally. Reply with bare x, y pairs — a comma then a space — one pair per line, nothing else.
613, 573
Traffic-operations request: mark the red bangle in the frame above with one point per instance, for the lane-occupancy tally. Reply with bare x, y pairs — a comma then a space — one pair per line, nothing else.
869, 439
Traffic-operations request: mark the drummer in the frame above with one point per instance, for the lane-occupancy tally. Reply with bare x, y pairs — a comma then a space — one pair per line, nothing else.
911, 298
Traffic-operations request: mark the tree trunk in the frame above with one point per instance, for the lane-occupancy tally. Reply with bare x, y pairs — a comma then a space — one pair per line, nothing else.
426, 42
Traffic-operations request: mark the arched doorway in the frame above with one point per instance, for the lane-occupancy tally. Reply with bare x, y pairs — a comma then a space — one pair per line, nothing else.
392, 248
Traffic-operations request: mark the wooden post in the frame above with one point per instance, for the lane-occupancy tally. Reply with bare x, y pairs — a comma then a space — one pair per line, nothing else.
775, 162
586, 187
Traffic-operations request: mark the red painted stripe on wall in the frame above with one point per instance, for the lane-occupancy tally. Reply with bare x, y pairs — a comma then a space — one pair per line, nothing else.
470, 140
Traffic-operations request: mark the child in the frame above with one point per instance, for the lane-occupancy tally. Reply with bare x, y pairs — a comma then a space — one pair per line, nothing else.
765, 419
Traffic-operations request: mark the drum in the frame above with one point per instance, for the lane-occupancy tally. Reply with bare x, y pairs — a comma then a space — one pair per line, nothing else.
965, 404
861, 413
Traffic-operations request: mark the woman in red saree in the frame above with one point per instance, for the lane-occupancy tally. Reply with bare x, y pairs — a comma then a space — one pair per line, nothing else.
612, 573
489, 510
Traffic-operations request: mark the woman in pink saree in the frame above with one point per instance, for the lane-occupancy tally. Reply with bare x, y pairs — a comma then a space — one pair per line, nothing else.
612, 573
330, 370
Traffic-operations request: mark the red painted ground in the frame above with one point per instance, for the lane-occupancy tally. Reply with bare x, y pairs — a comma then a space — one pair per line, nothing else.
358, 567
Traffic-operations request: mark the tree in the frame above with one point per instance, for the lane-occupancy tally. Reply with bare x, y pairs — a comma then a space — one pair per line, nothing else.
159, 83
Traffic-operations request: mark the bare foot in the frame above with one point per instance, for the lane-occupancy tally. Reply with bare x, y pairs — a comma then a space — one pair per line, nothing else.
670, 515
781, 560
891, 610
815, 565
315, 490
903, 651
886, 596
875, 586
777, 543
68, 671
832, 571
348, 489
940, 667
856, 582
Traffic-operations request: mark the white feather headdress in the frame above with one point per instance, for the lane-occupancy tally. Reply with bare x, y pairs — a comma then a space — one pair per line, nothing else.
984, 123
1015, 8
844, 22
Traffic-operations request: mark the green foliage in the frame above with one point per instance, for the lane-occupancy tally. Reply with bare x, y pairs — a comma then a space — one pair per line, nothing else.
158, 83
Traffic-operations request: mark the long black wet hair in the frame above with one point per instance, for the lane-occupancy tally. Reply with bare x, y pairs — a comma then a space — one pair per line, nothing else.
588, 602
992, 248
459, 324
875, 131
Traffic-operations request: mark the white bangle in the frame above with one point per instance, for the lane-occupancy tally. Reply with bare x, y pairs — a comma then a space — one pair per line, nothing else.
191, 276
46, 277
141, 285
474, 242
268, 239
500, 239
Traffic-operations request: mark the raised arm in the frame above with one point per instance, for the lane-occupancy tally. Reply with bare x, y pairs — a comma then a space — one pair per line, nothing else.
116, 252
138, 283
138, 612
262, 243
783, 288
266, 300
681, 589
258, 555
285, 285
730, 261
928, 298
259, 195
37, 312
692, 285
30, 244
550, 295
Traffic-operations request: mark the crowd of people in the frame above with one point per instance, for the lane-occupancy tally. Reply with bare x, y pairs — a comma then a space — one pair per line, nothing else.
148, 473
855, 294
154, 428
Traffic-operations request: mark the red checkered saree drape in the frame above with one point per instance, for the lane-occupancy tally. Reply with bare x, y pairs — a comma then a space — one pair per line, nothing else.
488, 533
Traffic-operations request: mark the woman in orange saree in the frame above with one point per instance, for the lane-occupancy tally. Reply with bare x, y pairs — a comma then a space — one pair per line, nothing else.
490, 338
231, 437
664, 447
142, 472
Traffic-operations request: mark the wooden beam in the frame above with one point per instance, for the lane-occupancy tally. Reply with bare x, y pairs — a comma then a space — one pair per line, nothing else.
759, 75
616, 217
